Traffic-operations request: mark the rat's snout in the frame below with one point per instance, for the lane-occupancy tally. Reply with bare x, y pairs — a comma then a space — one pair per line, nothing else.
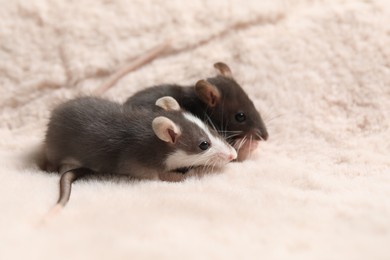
264, 134
227, 155
233, 155
258, 134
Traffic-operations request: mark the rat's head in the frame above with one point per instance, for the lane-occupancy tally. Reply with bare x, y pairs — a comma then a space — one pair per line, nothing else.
192, 142
231, 111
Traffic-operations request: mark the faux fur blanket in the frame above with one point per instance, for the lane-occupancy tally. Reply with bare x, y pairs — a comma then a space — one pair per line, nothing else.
319, 73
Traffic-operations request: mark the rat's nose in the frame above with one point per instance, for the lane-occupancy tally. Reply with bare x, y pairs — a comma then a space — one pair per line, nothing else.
259, 134
233, 155
264, 134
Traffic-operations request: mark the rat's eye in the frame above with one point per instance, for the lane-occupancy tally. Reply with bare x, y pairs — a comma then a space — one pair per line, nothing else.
240, 117
204, 145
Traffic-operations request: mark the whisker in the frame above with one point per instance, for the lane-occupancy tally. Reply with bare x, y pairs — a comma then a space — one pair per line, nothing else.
208, 164
212, 168
183, 143
250, 146
259, 136
211, 122
194, 163
223, 105
230, 136
243, 141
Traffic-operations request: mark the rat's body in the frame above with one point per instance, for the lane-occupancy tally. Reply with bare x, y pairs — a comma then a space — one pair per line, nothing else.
92, 135
220, 101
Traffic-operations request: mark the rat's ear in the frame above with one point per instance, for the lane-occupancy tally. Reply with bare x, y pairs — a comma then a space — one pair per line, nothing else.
166, 129
167, 103
223, 69
207, 92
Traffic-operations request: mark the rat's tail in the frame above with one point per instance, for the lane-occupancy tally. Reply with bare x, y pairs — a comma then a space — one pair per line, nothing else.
67, 178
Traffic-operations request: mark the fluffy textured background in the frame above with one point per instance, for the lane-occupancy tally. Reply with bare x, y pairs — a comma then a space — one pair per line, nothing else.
318, 72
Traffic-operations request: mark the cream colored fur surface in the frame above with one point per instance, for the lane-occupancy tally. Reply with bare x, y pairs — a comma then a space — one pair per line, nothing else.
319, 73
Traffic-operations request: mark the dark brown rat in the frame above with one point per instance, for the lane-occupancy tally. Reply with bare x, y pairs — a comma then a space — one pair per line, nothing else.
92, 135
221, 102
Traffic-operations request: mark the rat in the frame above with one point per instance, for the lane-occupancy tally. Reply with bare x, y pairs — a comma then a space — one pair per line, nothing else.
221, 102
91, 135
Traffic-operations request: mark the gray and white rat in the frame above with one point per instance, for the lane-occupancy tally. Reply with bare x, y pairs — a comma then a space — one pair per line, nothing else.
93, 135
221, 102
